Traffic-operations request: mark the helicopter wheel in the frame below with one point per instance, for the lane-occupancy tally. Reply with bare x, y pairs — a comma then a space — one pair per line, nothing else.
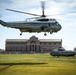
51, 32
20, 33
45, 34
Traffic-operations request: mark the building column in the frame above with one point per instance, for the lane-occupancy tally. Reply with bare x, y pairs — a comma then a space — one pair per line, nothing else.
38, 48
28, 48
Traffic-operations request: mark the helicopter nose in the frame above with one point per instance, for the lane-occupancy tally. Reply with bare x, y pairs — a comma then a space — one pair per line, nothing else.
59, 27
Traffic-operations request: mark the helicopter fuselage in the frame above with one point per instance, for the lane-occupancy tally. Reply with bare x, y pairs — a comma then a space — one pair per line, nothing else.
62, 52
39, 23
34, 26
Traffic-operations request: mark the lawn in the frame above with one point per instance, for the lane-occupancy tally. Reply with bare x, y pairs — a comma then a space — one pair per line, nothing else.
36, 64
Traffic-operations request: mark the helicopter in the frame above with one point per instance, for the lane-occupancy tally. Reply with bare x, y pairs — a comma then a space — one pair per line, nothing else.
38, 24
62, 52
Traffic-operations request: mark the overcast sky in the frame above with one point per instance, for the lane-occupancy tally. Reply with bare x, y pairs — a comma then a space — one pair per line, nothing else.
52, 7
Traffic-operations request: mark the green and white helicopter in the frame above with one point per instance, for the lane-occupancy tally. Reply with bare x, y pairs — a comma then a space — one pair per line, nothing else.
39, 24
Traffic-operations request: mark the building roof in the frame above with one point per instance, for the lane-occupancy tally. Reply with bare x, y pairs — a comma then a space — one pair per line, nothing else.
16, 40
50, 40
32, 38
41, 40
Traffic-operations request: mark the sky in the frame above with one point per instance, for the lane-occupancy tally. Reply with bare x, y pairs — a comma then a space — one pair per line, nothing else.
52, 8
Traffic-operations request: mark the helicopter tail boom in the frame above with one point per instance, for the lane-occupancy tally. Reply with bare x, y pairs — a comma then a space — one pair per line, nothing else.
3, 23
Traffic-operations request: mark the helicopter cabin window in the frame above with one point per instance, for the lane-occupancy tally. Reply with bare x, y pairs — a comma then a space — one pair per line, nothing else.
43, 20
57, 23
61, 50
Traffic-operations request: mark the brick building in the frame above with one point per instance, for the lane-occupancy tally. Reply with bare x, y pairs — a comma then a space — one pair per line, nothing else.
32, 45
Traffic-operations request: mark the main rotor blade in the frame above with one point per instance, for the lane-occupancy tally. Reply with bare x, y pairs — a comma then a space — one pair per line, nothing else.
23, 12
33, 18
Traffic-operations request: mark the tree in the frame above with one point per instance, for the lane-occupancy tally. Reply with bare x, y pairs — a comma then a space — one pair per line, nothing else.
75, 49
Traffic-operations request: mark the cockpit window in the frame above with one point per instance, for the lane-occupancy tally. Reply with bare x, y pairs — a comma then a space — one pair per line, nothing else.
61, 50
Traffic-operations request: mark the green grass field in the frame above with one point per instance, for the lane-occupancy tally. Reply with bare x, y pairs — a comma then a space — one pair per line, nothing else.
36, 64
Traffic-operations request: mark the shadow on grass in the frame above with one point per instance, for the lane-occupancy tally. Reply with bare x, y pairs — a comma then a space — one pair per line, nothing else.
7, 65
28, 63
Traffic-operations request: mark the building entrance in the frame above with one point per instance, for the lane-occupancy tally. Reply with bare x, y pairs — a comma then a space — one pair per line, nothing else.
33, 47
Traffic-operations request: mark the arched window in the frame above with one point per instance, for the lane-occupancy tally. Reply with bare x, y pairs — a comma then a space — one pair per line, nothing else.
33, 42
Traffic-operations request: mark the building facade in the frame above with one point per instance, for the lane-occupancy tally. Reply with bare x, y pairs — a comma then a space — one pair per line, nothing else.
32, 45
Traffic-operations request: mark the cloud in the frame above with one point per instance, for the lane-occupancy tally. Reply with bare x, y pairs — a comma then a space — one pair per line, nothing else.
5, 1
52, 7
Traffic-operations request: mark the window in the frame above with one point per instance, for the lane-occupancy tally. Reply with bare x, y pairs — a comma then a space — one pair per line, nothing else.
23, 43
50, 43
44, 43
33, 42
54, 43
59, 43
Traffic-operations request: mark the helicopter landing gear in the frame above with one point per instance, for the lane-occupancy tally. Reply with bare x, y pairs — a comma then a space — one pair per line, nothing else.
51, 32
20, 33
45, 34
